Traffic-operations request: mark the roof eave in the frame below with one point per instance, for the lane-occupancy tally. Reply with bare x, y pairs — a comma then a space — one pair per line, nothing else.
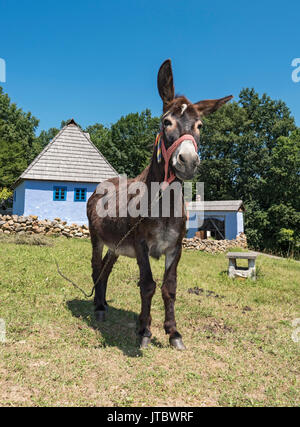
17, 182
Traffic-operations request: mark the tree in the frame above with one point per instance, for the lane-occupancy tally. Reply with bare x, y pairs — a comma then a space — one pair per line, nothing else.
219, 143
267, 121
12, 162
281, 180
127, 145
17, 140
101, 138
133, 137
283, 232
250, 151
5, 194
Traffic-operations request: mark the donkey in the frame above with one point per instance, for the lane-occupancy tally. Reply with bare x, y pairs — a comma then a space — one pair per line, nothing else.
175, 158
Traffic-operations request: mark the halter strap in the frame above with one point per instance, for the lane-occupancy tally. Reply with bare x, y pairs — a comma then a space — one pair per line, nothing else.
167, 154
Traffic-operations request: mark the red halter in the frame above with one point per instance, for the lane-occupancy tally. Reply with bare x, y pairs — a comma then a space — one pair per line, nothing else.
167, 154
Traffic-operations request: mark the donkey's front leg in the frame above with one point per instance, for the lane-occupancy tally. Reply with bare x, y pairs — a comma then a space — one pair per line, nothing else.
147, 290
169, 296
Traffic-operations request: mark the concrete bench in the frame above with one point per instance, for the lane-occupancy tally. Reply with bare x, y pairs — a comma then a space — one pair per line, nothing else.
243, 272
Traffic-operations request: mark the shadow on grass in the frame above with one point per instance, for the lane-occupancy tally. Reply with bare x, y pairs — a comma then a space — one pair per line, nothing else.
119, 330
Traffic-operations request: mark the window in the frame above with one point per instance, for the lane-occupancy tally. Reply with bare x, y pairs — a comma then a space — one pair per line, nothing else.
59, 193
15, 195
80, 195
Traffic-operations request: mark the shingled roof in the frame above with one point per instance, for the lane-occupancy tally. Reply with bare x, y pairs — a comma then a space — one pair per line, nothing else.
70, 156
218, 206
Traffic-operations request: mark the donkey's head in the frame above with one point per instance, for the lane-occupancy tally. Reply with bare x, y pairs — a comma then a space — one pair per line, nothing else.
181, 118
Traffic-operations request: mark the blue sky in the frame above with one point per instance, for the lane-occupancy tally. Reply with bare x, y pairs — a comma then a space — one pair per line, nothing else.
96, 60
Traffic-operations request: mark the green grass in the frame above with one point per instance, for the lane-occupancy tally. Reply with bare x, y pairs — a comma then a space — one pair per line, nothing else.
238, 337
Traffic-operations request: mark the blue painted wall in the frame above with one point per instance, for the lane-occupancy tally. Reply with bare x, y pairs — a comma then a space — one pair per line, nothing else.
18, 200
234, 224
36, 198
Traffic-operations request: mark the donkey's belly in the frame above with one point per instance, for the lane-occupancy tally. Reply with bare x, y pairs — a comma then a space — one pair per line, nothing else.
161, 241
125, 250
128, 251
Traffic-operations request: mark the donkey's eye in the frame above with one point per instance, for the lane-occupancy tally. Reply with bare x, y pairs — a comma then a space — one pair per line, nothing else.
167, 123
199, 126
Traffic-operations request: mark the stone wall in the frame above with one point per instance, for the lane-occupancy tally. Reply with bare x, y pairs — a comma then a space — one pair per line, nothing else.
14, 224
215, 246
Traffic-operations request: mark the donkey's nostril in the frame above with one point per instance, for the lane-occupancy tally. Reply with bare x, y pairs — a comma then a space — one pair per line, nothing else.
196, 162
181, 158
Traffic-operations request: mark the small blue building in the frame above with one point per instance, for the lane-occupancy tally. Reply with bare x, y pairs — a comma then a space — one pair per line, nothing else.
222, 219
62, 177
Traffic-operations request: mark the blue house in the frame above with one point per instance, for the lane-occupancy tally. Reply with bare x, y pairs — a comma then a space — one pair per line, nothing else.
62, 177
219, 219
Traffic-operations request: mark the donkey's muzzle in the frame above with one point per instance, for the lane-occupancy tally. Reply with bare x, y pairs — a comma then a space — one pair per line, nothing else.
185, 160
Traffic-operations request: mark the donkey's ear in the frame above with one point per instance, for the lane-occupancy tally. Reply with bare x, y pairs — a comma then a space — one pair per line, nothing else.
165, 83
210, 105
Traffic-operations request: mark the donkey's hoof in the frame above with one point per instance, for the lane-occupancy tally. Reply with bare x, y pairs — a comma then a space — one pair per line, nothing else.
177, 343
100, 316
145, 341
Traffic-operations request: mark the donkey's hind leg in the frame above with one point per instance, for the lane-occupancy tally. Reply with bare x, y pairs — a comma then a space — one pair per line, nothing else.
100, 282
147, 290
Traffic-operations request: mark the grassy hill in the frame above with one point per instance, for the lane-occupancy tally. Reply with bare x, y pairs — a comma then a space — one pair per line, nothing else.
237, 333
